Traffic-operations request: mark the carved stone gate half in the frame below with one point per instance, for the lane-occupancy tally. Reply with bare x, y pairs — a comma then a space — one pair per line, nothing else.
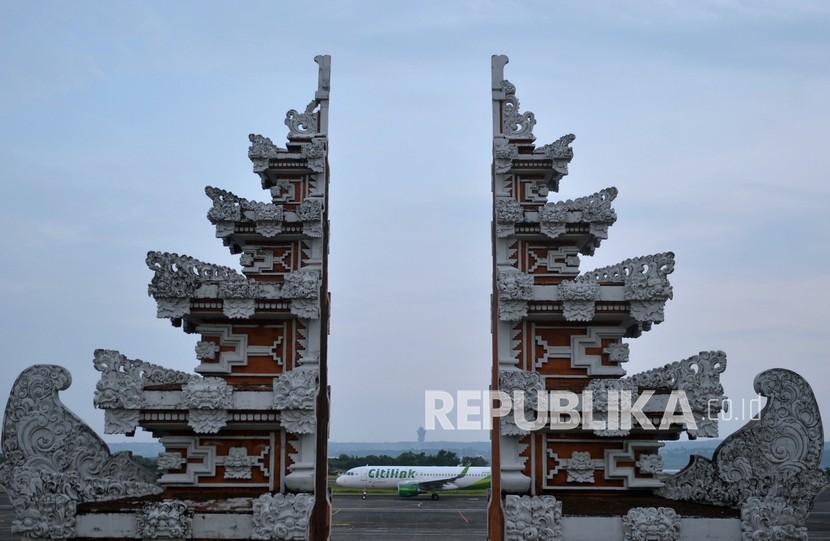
559, 328
245, 436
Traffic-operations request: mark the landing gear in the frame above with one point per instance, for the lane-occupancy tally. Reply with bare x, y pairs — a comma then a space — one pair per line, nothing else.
434, 496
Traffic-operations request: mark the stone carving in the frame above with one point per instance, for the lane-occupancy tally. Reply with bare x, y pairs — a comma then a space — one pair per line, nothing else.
315, 155
514, 285
515, 124
172, 308
503, 155
771, 518
305, 308
53, 461
164, 520
229, 209
239, 308
179, 276
238, 464
298, 421
560, 154
118, 421
207, 421
777, 455
296, 389
303, 284
650, 464
532, 517
578, 300
262, 150
206, 350
509, 212
617, 353
302, 125
170, 461
282, 516
580, 467
512, 310
119, 373
594, 209
208, 393
650, 523
699, 377
532, 385
310, 212
645, 283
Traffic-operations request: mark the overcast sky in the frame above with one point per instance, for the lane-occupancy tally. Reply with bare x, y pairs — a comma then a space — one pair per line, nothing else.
711, 117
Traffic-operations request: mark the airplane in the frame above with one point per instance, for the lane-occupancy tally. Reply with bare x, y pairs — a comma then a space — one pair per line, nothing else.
413, 480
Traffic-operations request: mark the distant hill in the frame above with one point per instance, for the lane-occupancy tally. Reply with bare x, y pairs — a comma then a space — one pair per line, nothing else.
675, 453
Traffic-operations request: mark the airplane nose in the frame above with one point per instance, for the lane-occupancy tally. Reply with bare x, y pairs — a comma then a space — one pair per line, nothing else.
340, 481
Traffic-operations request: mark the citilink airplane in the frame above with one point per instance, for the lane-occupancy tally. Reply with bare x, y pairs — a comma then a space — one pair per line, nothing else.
410, 481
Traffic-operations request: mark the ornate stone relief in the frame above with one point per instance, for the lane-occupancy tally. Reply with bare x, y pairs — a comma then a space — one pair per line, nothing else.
302, 125
650, 464
512, 310
298, 421
532, 385
170, 461
514, 285
229, 209
207, 421
775, 456
509, 212
645, 283
580, 467
593, 209
516, 125
206, 350
53, 461
296, 389
165, 520
532, 517
578, 300
699, 377
651, 523
178, 278
503, 155
238, 463
617, 352
282, 516
771, 518
315, 155
208, 394
262, 150
310, 213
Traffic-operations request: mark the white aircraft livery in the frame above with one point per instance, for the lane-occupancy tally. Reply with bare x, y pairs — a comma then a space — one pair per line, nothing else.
413, 480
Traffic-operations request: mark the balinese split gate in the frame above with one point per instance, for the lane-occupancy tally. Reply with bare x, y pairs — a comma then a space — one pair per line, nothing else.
557, 327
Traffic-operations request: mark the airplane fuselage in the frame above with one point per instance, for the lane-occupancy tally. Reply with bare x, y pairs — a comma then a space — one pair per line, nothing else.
419, 478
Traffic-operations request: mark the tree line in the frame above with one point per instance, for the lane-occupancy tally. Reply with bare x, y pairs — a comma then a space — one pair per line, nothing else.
441, 458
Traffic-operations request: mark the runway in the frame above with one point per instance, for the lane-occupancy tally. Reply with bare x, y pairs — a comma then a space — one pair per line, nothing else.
453, 518
391, 518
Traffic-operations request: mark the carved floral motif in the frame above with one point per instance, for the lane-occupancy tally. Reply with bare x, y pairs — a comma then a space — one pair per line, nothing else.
282, 516
296, 389
53, 461
650, 523
514, 285
532, 517
777, 455
580, 467
164, 520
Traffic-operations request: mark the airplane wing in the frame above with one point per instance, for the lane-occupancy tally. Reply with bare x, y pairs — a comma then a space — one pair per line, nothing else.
438, 484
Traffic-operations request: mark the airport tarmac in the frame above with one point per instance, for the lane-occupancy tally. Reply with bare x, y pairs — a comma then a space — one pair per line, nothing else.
390, 518
453, 518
